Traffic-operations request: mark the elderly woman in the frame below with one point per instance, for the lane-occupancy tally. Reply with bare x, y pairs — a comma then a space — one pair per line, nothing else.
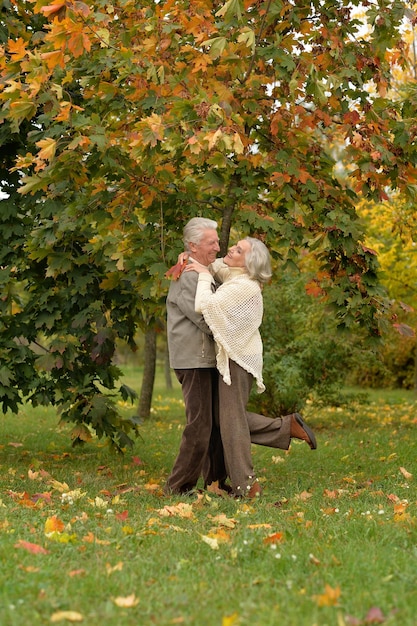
234, 314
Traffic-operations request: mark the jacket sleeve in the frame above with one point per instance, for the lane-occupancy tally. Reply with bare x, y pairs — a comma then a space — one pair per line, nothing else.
185, 300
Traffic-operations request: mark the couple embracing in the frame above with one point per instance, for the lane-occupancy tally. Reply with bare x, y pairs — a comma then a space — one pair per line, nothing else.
214, 311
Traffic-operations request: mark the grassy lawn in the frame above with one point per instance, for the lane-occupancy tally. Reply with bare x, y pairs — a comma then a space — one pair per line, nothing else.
89, 536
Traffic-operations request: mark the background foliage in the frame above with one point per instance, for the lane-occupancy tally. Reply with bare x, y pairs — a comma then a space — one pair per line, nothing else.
119, 122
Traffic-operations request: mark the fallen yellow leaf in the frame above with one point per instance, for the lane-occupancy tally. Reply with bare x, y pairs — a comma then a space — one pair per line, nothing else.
115, 568
126, 602
212, 542
181, 509
330, 597
222, 520
69, 616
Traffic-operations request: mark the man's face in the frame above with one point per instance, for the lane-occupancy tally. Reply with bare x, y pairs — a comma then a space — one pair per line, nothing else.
206, 251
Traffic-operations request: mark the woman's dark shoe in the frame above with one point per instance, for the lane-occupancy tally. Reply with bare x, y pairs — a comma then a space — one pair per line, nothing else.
300, 430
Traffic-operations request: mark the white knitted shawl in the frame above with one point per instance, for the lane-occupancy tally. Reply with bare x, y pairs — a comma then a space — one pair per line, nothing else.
234, 313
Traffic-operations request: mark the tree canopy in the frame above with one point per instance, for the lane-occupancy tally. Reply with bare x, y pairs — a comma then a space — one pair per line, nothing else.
120, 121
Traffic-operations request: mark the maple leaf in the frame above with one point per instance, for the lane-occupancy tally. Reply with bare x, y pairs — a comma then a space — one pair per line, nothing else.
47, 148
181, 509
66, 616
59, 486
127, 601
33, 548
17, 49
230, 620
405, 473
330, 597
176, 270
222, 520
274, 538
211, 541
76, 572
114, 568
54, 525
51, 9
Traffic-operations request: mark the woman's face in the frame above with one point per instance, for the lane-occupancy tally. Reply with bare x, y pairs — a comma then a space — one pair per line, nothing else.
236, 254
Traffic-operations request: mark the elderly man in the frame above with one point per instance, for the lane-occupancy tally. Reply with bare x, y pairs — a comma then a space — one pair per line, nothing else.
192, 356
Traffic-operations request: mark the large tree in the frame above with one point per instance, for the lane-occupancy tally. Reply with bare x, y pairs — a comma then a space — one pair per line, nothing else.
125, 120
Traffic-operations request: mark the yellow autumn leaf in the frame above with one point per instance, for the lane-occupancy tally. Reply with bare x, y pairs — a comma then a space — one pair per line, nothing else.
255, 526
230, 620
220, 535
222, 520
114, 568
68, 616
213, 137
181, 510
238, 144
126, 602
59, 486
47, 148
330, 597
211, 541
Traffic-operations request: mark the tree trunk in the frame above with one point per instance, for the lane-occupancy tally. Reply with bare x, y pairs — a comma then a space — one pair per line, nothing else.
225, 229
167, 369
145, 400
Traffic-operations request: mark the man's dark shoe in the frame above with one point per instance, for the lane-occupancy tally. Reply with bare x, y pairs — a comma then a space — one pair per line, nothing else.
300, 430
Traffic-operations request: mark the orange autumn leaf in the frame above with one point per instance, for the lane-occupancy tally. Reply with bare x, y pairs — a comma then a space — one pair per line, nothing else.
54, 525
405, 473
52, 9
176, 270
331, 493
400, 507
274, 538
33, 548
122, 516
17, 49
91, 538
76, 572
330, 597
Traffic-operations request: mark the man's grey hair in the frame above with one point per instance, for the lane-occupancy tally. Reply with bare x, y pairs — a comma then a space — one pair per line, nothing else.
258, 260
194, 230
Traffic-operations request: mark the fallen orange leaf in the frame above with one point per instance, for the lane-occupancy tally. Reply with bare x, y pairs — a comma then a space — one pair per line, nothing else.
76, 572
54, 525
33, 548
405, 473
330, 597
122, 516
274, 538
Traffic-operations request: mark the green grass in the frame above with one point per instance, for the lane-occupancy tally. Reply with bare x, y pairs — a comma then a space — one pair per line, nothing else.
343, 519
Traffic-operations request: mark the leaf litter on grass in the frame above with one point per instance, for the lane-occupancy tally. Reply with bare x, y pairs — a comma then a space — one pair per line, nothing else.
66, 509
